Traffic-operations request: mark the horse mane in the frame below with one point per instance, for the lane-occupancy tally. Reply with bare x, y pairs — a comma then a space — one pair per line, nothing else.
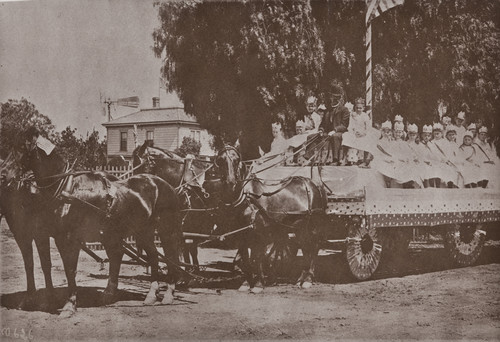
139, 151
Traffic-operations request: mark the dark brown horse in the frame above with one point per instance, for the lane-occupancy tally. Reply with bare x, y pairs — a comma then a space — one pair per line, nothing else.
295, 205
106, 211
188, 176
19, 204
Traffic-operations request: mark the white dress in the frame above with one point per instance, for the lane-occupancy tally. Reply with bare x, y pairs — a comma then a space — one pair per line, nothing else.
358, 123
471, 164
390, 159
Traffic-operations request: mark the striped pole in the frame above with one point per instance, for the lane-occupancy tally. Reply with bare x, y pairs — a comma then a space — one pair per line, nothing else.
368, 53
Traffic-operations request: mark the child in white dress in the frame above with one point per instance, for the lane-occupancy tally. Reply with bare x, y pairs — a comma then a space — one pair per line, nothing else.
356, 135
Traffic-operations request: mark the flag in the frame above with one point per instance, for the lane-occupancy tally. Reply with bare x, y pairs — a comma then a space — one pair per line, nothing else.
377, 7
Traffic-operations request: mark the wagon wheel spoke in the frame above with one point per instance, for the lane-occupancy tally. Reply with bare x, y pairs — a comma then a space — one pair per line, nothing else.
363, 251
280, 259
464, 243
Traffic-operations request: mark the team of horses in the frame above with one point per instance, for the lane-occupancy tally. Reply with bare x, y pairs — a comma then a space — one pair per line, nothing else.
42, 197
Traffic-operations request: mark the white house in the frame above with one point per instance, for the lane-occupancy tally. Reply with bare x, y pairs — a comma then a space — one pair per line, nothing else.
165, 127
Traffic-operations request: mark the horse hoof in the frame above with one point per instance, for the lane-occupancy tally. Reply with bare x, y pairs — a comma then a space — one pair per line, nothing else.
66, 314
244, 287
68, 310
306, 285
256, 290
150, 300
168, 299
152, 294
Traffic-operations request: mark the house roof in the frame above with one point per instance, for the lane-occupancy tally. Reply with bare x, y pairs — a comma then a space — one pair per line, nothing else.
169, 115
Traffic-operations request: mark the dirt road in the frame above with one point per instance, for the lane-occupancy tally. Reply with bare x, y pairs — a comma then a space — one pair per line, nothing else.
429, 300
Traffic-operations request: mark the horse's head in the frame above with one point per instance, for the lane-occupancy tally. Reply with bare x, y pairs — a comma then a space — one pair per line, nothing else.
231, 168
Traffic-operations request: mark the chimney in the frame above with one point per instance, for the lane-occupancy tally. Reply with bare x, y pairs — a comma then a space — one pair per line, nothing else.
156, 102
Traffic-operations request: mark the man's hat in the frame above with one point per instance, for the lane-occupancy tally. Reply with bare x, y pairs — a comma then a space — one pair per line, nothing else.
427, 129
471, 127
483, 129
412, 128
337, 90
461, 115
300, 123
437, 127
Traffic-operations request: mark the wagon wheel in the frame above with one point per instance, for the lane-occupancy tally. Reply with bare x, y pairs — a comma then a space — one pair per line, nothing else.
395, 242
363, 251
281, 258
464, 242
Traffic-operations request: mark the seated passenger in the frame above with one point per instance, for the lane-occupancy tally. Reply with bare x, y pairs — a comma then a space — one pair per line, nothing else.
427, 154
335, 122
355, 137
279, 144
312, 119
473, 177
472, 128
300, 127
445, 121
399, 118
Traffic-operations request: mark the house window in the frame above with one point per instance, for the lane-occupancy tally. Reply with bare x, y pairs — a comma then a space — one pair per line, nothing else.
150, 135
196, 135
123, 141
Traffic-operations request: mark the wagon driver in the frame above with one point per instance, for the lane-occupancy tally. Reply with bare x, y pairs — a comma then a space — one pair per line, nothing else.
335, 122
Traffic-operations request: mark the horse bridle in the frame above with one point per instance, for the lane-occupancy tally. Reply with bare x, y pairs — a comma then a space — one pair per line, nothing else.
231, 160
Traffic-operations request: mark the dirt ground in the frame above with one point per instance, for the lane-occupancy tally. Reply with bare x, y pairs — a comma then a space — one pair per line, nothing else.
429, 299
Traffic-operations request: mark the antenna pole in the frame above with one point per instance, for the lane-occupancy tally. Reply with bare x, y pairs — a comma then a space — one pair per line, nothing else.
108, 102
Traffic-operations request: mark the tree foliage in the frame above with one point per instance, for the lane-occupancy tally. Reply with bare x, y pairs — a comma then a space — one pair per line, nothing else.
238, 66
189, 146
15, 117
427, 52
18, 115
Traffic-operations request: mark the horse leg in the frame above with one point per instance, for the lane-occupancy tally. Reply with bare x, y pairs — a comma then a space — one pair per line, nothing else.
258, 257
310, 253
147, 243
114, 250
193, 250
26, 248
43, 247
69, 250
170, 234
245, 268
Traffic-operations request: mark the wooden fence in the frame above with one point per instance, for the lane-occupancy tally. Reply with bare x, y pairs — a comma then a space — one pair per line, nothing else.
117, 171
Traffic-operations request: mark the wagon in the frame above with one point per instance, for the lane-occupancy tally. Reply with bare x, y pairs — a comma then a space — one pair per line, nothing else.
373, 223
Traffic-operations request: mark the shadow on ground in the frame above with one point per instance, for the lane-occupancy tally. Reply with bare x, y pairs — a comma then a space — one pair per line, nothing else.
88, 297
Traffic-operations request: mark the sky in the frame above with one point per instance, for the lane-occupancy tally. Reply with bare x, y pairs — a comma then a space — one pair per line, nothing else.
62, 54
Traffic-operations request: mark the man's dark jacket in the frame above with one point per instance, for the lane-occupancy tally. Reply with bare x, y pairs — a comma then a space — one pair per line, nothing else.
336, 119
